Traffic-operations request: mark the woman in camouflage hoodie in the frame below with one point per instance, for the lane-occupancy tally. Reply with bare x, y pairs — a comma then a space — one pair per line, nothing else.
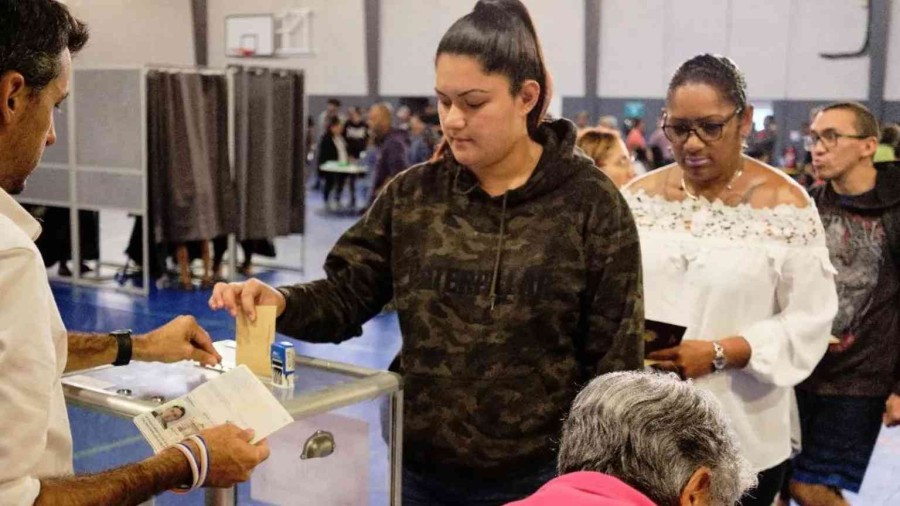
514, 265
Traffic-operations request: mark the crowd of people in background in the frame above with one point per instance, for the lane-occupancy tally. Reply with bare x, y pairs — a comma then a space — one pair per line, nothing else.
379, 141
651, 152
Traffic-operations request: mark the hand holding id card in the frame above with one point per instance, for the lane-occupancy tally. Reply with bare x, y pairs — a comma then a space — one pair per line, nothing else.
236, 396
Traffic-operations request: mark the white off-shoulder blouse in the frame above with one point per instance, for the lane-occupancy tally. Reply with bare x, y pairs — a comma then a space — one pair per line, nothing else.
763, 274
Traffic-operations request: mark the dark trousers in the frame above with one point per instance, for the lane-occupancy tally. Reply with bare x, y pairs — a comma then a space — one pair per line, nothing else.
839, 434
334, 182
425, 489
768, 486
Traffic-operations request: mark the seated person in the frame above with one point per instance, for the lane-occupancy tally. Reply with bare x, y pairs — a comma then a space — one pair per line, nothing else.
638, 438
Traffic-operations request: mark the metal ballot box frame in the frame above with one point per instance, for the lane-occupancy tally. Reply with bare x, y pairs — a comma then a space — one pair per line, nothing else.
321, 388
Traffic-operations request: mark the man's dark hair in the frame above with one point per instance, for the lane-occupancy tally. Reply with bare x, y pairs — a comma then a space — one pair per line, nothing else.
890, 135
33, 34
335, 102
866, 124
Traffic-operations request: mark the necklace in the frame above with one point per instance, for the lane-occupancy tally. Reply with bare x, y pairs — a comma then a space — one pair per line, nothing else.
687, 192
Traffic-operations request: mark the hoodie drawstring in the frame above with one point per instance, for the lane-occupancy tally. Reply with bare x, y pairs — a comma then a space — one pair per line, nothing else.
493, 294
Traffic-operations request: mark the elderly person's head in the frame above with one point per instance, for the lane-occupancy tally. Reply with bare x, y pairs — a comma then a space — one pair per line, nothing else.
658, 434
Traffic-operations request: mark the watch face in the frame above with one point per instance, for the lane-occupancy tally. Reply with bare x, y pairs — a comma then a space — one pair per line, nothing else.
719, 361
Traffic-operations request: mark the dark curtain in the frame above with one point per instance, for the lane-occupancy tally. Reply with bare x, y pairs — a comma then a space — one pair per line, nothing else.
269, 152
191, 190
55, 241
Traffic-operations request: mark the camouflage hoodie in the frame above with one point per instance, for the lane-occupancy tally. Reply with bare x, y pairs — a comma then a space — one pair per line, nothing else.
507, 305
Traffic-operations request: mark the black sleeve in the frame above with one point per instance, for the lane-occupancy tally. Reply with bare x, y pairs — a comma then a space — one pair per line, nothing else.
358, 282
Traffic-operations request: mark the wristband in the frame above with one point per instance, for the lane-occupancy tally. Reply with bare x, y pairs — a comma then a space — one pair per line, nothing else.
124, 351
204, 458
192, 461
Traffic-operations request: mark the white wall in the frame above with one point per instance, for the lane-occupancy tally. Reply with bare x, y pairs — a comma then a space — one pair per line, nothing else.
828, 26
338, 65
892, 80
412, 29
775, 42
410, 33
136, 32
631, 43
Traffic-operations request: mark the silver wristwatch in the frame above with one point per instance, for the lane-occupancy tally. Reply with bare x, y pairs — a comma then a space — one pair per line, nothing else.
719, 361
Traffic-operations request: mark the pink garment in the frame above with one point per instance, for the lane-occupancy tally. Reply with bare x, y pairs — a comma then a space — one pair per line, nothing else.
585, 488
635, 139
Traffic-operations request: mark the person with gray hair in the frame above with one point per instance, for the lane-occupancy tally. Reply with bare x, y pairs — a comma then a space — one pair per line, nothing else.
641, 438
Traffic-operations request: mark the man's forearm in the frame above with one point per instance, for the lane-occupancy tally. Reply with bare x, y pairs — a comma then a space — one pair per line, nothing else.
131, 484
90, 350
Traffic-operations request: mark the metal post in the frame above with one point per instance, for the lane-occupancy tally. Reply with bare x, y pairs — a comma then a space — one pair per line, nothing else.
74, 231
220, 496
592, 15
145, 186
880, 23
232, 105
397, 448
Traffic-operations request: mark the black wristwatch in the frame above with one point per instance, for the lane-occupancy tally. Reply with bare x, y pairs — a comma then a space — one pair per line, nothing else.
123, 339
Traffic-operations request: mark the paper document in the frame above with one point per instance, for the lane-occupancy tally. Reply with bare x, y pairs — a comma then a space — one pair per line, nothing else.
254, 340
236, 396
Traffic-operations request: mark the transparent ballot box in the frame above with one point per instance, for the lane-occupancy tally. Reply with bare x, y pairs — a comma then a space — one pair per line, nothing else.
343, 448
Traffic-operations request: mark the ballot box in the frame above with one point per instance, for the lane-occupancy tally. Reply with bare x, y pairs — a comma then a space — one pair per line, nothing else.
343, 448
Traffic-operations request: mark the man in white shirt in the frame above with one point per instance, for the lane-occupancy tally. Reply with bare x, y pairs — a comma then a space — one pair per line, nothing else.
37, 38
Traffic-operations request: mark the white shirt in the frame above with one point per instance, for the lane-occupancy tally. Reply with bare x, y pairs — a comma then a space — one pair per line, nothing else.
763, 274
35, 439
341, 147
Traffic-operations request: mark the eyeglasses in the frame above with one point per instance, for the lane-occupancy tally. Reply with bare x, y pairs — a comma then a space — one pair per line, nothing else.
706, 131
829, 139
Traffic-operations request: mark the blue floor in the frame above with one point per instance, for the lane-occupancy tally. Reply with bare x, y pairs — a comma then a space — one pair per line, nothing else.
101, 443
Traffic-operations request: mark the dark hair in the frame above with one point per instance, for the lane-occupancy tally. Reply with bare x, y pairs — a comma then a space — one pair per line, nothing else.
501, 36
866, 124
33, 34
890, 135
717, 71
333, 121
335, 102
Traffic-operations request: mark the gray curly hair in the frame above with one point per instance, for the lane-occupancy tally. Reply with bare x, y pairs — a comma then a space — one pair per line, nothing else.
653, 431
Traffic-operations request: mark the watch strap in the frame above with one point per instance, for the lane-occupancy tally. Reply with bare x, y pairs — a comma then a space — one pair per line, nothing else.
125, 349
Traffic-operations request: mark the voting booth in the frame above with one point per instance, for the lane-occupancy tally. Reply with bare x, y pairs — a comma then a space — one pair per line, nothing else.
343, 447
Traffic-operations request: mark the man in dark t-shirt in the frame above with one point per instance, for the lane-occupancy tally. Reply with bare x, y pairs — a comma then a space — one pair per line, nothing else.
856, 387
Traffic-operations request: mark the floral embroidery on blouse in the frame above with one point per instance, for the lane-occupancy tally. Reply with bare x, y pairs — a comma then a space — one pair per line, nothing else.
785, 223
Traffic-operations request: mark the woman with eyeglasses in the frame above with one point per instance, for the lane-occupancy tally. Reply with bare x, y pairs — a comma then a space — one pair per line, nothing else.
609, 153
734, 251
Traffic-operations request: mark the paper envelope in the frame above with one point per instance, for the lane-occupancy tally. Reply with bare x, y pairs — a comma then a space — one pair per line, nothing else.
254, 340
